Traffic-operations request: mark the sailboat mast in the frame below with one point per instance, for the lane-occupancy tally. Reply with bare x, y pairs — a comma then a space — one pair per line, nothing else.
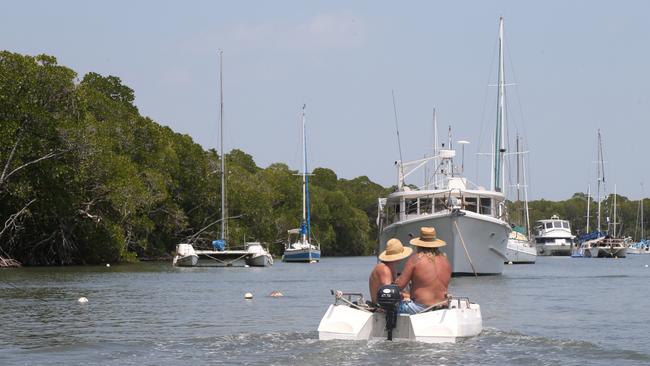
518, 161
523, 166
498, 173
642, 226
614, 233
304, 176
224, 222
600, 178
588, 205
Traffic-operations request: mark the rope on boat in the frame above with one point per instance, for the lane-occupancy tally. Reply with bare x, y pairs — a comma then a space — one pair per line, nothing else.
338, 295
223, 261
464, 247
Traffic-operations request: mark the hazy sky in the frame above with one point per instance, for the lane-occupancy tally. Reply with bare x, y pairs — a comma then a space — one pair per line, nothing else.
578, 66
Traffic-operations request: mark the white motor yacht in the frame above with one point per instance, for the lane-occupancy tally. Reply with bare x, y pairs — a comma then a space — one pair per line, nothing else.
554, 237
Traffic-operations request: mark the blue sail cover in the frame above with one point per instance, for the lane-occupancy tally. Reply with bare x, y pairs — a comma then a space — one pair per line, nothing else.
591, 236
303, 228
219, 245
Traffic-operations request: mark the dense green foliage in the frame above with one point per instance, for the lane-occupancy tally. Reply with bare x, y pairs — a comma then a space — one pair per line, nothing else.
84, 178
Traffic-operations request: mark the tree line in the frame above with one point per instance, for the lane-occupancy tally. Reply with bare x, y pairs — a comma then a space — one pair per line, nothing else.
84, 178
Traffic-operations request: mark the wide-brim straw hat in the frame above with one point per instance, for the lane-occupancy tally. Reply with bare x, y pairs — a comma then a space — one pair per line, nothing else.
428, 239
395, 251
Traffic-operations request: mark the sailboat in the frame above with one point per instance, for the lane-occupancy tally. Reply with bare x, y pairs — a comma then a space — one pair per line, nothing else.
254, 254
519, 249
643, 245
470, 219
601, 244
298, 247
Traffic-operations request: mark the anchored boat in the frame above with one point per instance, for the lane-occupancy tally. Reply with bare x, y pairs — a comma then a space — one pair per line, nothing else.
298, 247
350, 318
470, 218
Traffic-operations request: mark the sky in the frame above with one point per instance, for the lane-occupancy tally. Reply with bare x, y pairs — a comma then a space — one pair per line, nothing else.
575, 67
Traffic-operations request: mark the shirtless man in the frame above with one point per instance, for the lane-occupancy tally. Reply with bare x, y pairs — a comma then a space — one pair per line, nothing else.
384, 271
428, 271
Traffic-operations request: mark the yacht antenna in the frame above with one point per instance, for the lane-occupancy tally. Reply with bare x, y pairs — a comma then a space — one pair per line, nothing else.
399, 144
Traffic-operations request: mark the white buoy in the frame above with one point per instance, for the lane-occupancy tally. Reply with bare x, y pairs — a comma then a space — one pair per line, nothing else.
248, 296
510, 262
246, 266
646, 266
82, 300
276, 294
108, 264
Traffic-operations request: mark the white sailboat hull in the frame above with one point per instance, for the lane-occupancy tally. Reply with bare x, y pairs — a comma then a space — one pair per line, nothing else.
462, 319
260, 260
185, 260
475, 243
520, 252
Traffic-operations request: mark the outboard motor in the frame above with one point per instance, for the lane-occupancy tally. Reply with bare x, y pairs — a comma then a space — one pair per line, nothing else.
388, 299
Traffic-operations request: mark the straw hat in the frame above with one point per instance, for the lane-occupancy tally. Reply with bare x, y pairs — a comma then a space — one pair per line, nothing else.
428, 239
394, 251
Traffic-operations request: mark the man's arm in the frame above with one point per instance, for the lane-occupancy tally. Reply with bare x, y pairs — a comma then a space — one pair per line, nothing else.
405, 277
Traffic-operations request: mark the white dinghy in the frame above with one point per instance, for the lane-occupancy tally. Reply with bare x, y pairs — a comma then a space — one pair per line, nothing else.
446, 322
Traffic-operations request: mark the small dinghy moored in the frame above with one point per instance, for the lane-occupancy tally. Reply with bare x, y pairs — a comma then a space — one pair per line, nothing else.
456, 318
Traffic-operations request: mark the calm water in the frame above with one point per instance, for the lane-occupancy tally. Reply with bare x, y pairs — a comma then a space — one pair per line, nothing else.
560, 311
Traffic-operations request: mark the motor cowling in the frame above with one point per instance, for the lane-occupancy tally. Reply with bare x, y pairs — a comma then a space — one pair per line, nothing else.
388, 299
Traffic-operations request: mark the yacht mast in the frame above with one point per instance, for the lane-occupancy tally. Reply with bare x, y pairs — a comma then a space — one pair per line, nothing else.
305, 208
224, 222
588, 205
499, 150
614, 233
601, 174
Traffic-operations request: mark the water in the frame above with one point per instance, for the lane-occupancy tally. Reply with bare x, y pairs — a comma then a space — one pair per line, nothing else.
559, 311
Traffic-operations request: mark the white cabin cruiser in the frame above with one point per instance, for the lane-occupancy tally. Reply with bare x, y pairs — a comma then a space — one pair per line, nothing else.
355, 320
554, 237
185, 256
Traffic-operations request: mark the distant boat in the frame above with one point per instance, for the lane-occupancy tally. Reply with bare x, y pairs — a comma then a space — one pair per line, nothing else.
298, 247
259, 257
554, 237
601, 244
471, 219
254, 254
519, 249
643, 245
185, 256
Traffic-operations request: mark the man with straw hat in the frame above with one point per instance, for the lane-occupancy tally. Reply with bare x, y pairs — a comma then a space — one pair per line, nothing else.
384, 271
428, 271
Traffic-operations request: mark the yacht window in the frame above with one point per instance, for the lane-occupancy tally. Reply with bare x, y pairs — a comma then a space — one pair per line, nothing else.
471, 204
440, 204
486, 206
557, 224
425, 206
565, 224
549, 225
411, 206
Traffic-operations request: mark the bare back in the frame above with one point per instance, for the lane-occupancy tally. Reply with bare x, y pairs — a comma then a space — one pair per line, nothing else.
429, 276
381, 275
